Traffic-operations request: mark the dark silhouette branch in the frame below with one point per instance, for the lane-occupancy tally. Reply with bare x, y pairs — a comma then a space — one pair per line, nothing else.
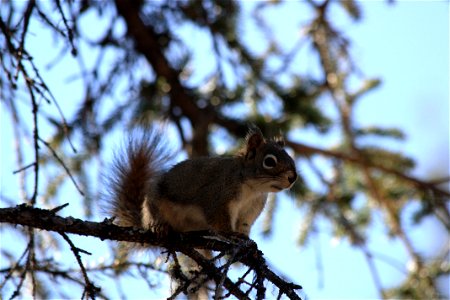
241, 249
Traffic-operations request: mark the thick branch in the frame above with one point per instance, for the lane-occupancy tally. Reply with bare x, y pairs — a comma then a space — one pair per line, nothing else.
146, 42
248, 252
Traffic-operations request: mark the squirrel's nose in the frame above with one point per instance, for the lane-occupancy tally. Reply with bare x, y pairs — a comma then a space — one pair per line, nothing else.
292, 178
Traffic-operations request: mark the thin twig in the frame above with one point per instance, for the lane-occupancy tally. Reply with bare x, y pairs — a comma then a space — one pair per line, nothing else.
11, 270
90, 288
373, 271
58, 208
63, 165
69, 30
26, 21
28, 266
35, 140
24, 168
31, 262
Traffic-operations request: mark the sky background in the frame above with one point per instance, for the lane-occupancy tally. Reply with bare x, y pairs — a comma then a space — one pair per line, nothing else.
407, 46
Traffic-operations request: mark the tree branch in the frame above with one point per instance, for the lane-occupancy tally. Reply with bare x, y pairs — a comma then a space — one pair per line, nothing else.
146, 42
243, 250
306, 150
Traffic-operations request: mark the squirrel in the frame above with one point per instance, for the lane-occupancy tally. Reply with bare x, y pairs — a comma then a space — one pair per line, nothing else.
223, 194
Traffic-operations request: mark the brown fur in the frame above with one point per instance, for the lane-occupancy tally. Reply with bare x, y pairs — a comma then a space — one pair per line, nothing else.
211, 193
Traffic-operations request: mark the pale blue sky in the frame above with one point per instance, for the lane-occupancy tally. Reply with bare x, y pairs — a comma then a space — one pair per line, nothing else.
407, 46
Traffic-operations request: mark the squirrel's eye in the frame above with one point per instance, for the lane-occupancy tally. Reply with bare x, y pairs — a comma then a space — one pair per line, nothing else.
269, 161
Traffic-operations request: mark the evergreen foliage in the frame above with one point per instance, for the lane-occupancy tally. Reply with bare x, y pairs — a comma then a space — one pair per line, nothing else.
208, 69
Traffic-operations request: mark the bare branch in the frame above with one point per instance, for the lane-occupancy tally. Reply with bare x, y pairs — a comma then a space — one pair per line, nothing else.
245, 250
91, 290
63, 165
307, 150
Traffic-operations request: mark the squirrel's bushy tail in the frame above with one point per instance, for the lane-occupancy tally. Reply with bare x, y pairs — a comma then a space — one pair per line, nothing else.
134, 173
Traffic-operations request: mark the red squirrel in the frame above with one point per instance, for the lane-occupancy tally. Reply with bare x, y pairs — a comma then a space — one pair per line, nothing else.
220, 194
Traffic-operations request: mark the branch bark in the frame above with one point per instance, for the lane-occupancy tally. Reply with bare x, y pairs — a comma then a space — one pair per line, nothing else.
242, 250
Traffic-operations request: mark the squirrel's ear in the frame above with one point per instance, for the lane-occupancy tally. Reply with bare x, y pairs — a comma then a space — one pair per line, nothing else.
254, 140
280, 141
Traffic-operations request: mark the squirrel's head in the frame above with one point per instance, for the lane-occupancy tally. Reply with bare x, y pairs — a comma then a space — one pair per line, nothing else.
268, 163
